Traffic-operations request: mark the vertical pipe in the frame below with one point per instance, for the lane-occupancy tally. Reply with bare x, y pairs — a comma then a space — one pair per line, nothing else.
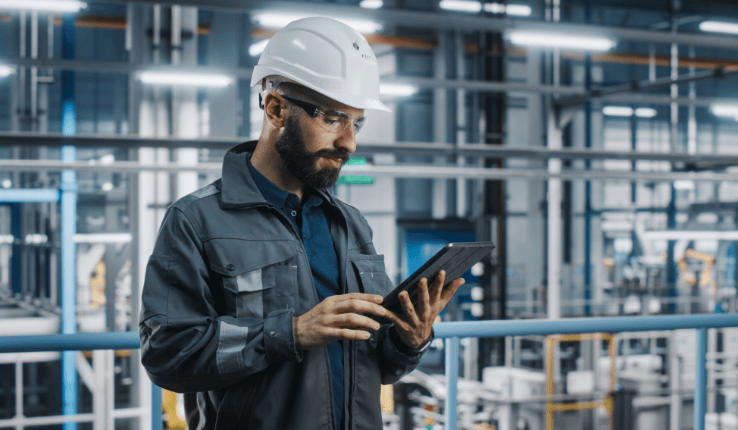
452, 380
461, 123
587, 184
700, 382
673, 140
68, 226
156, 419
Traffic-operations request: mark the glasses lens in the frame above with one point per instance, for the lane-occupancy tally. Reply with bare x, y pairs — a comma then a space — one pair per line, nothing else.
359, 123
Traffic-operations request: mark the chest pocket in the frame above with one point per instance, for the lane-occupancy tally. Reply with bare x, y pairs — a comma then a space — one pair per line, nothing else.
257, 277
371, 274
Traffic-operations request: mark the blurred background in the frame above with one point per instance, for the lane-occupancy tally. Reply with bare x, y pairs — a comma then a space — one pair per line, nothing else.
593, 141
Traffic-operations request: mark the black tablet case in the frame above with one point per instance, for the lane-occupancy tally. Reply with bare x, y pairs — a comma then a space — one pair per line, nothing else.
454, 258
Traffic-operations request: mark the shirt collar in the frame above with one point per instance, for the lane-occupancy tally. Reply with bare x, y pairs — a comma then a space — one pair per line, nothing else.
279, 197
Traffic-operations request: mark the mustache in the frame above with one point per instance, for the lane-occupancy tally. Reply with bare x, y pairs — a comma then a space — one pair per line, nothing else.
338, 154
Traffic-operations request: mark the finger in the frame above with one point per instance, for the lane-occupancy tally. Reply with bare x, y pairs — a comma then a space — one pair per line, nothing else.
359, 296
450, 290
348, 334
356, 305
435, 293
423, 299
398, 320
407, 306
354, 321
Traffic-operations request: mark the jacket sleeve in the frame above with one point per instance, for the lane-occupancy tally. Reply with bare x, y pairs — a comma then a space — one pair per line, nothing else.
395, 358
186, 346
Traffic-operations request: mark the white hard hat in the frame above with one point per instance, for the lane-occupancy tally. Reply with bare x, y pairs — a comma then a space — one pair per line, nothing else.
326, 56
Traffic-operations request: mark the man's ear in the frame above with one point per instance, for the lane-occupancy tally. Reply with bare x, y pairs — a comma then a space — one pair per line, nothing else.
276, 109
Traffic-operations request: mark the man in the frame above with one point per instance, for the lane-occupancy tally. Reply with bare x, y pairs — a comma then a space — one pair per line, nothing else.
257, 293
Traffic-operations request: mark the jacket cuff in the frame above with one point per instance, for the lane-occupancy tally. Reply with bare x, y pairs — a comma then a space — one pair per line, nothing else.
279, 337
400, 347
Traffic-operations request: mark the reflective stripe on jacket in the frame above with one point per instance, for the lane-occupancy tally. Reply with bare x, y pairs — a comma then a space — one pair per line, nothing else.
227, 275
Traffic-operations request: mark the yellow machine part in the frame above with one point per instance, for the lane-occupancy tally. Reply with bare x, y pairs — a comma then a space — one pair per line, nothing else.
174, 410
387, 399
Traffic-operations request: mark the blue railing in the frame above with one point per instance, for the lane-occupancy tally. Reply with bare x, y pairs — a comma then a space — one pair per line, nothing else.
452, 332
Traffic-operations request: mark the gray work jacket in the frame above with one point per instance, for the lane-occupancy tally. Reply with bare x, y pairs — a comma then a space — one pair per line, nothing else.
227, 275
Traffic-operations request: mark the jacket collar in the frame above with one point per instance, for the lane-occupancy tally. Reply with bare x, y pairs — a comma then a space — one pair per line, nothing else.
237, 184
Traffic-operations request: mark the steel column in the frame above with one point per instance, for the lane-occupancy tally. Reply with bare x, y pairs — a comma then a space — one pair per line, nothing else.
68, 227
452, 378
700, 382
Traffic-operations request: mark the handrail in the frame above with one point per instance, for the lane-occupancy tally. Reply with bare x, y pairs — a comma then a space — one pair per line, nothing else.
451, 331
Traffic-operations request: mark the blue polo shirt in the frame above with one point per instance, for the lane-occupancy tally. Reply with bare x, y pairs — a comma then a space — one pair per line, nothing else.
311, 224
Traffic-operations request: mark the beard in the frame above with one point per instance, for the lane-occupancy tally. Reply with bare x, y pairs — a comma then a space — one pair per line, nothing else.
302, 164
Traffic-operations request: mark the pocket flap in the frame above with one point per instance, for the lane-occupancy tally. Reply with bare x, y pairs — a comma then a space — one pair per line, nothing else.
236, 257
369, 263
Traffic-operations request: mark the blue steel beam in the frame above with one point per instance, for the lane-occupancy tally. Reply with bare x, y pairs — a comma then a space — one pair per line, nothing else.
29, 195
452, 379
68, 224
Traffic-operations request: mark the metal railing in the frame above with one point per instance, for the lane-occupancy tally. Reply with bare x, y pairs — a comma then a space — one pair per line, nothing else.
452, 332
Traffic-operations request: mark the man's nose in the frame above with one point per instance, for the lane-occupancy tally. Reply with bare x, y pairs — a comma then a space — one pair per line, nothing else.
347, 139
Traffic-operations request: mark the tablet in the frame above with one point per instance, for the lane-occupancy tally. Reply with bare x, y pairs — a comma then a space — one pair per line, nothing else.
454, 258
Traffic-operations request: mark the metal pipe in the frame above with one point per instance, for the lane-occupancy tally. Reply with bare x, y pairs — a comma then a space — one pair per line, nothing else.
452, 377
700, 381
404, 148
28, 195
396, 170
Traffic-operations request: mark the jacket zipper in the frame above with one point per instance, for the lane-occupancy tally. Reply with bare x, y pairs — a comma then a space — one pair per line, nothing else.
312, 282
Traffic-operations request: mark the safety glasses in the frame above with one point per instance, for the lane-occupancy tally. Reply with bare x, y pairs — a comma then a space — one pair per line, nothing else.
332, 120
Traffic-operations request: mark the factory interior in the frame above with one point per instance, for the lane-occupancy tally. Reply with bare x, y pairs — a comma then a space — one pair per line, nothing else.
594, 142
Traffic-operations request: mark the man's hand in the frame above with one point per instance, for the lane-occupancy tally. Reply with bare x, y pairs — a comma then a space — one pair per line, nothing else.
414, 328
335, 318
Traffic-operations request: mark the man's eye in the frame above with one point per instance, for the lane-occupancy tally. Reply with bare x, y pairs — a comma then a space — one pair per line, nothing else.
332, 120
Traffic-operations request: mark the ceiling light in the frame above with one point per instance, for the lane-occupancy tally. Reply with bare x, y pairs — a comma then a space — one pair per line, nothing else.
461, 5
645, 112
184, 79
371, 4
44, 5
617, 111
684, 185
518, 10
730, 111
553, 40
719, 27
258, 47
279, 20
6, 71
397, 89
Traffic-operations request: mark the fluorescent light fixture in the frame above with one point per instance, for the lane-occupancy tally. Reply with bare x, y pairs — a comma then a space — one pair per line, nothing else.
397, 89
258, 47
184, 79
102, 238
371, 4
6, 71
44, 5
719, 27
107, 186
645, 112
684, 185
557, 40
461, 5
518, 10
107, 159
36, 238
6, 238
617, 111
279, 20
730, 111
7, 183
691, 235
